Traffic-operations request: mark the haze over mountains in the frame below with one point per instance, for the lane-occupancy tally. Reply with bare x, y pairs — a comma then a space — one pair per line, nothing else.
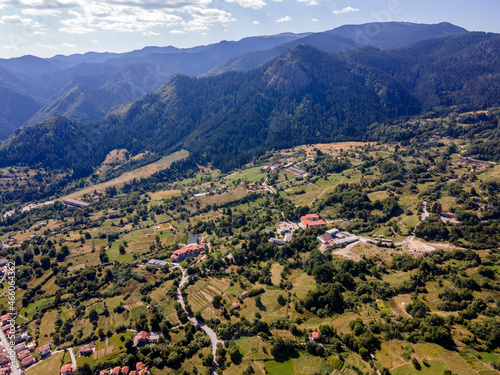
86, 87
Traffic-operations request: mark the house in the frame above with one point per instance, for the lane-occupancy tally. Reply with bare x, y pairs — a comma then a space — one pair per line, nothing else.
23, 354
143, 372
5, 319
25, 336
20, 347
75, 203
315, 336
125, 370
311, 220
44, 350
28, 361
450, 215
187, 252
157, 263
276, 241
133, 373
3, 261
325, 238
68, 369
116, 370
4, 359
244, 295
296, 170
104, 372
98, 193
5, 370
141, 339
332, 232
140, 366
86, 350
236, 305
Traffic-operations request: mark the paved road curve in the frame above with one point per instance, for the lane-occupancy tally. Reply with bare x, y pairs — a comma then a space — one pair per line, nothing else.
211, 334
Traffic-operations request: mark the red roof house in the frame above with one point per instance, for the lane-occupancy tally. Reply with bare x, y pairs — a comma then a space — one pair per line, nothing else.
187, 252
141, 338
312, 220
29, 360
68, 369
140, 366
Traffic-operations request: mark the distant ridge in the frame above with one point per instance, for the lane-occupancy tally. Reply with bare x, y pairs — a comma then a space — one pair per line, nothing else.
85, 87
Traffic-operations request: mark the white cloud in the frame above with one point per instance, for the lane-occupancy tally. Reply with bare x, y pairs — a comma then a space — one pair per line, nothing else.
175, 32
345, 10
309, 2
69, 45
47, 46
10, 47
76, 29
284, 19
150, 33
203, 18
254, 4
16, 19
315, 20
256, 22
41, 12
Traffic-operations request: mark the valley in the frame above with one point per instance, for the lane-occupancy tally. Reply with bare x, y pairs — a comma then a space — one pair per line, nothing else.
86, 275
318, 203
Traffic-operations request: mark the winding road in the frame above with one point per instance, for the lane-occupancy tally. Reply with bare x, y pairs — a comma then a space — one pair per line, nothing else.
211, 334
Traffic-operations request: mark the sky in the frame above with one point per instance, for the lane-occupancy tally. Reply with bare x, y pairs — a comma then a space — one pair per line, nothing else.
49, 27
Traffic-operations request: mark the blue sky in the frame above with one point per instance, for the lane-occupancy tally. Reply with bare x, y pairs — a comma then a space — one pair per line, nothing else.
49, 27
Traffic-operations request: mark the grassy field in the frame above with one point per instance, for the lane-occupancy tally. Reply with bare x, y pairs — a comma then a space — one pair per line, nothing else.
49, 366
280, 368
436, 367
138, 173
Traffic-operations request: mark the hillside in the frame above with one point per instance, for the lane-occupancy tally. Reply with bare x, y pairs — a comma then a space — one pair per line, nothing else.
118, 78
307, 94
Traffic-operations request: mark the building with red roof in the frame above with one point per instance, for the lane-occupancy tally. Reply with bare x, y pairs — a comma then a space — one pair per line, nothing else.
141, 339
5, 319
125, 370
315, 336
44, 350
68, 369
116, 370
312, 220
23, 354
29, 360
187, 252
140, 366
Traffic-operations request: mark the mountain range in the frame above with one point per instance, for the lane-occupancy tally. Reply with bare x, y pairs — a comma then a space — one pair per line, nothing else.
85, 87
304, 95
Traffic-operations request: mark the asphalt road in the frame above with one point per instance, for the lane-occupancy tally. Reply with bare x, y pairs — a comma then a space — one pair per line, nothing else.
211, 334
6, 345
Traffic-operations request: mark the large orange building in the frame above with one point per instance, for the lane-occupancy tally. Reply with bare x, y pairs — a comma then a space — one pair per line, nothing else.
187, 252
312, 220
